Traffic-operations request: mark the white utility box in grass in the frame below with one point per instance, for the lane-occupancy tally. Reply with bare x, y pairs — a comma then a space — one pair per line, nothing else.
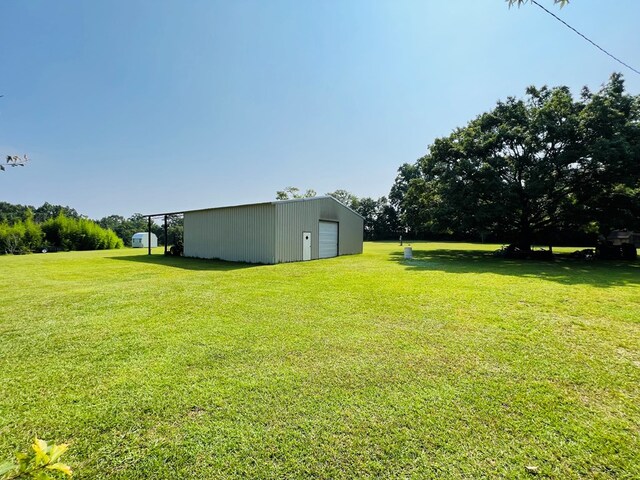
141, 240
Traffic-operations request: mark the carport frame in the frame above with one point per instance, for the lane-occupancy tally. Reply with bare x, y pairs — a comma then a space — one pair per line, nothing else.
165, 216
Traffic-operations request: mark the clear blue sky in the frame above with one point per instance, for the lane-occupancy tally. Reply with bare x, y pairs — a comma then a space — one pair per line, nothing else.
151, 106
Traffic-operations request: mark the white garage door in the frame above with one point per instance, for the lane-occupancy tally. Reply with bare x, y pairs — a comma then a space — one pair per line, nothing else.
328, 241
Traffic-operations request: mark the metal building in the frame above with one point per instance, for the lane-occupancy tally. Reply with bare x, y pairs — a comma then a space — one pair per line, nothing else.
274, 232
141, 240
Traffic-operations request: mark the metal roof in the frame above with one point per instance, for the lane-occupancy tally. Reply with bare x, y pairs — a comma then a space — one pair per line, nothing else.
275, 202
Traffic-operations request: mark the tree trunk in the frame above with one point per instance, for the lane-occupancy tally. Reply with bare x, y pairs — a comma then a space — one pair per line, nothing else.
525, 236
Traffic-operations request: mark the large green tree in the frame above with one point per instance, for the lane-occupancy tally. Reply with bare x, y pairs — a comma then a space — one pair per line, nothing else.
532, 168
608, 187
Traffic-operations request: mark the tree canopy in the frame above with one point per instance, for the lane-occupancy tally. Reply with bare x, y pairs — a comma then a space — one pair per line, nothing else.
381, 220
290, 193
531, 169
345, 197
11, 213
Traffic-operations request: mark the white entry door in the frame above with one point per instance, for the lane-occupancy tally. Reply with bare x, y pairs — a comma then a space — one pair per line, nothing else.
306, 245
328, 239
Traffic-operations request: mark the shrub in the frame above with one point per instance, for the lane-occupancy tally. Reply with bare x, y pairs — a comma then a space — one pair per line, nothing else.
40, 462
60, 232
33, 234
21, 237
79, 234
10, 238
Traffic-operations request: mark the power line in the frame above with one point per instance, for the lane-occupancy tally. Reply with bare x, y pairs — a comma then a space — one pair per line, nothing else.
587, 39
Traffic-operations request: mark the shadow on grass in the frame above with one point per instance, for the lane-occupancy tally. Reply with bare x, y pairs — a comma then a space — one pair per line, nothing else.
187, 263
564, 269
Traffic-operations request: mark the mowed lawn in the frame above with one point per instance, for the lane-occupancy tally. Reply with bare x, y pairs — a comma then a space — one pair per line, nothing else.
451, 365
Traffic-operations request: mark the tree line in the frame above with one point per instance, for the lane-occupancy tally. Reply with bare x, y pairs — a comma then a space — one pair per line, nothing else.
544, 169
25, 228
25, 235
124, 228
381, 221
548, 168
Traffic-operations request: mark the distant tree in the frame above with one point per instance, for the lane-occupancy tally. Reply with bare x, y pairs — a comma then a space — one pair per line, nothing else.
112, 222
368, 208
124, 228
345, 197
290, 193
380, 218
47, 211
11, 213
175, 230
387, 225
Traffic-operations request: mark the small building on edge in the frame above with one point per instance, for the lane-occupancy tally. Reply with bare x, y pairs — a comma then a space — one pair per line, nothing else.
274, 232
141, 240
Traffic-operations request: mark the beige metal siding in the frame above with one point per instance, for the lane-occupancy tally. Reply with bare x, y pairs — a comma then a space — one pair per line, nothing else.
293, 218
239, 234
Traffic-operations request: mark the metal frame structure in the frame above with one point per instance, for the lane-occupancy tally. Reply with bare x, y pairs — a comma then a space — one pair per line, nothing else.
283, 242
165, 216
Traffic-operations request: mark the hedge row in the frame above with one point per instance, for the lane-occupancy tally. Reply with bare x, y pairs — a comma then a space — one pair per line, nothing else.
59, 233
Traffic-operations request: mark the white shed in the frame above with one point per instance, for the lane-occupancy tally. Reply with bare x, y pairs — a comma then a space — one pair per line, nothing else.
141, 240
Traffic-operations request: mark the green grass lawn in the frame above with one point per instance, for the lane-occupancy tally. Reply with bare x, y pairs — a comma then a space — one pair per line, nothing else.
452, 365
